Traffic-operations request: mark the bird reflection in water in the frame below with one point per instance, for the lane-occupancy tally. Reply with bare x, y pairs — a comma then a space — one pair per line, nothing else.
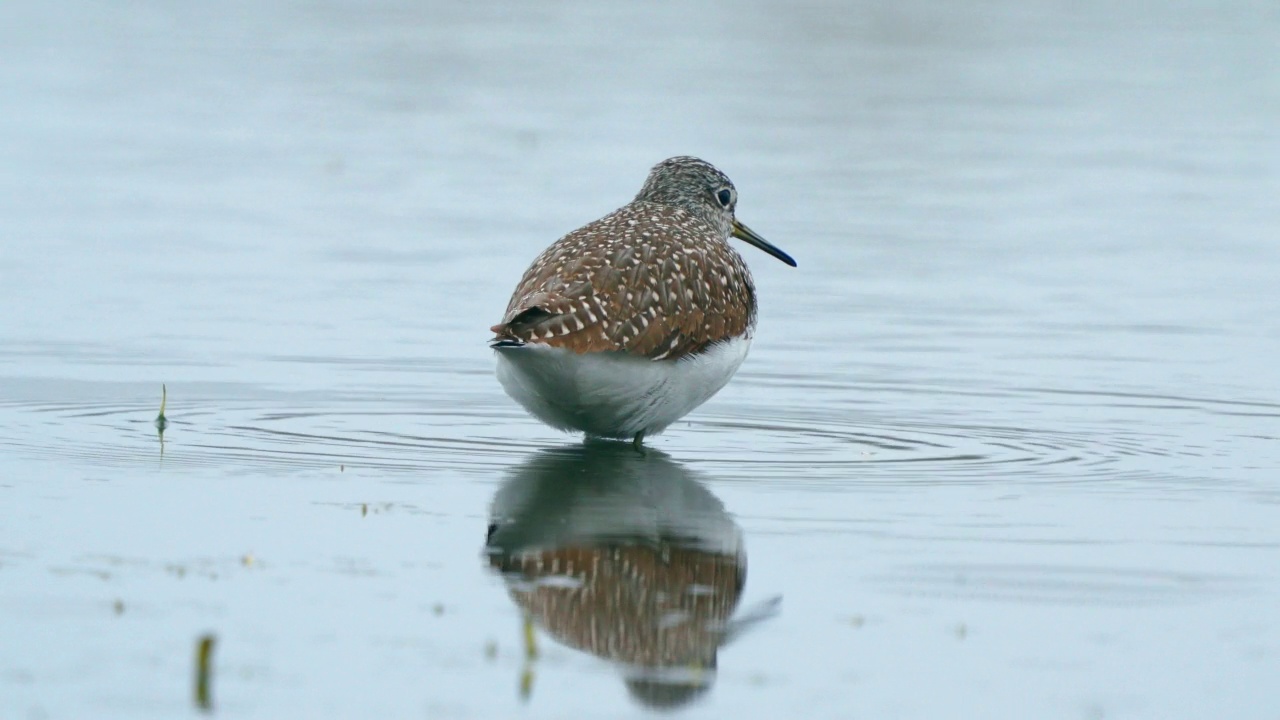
626, 556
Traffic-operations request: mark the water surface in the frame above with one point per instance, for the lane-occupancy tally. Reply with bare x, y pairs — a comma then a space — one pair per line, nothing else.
1006, 445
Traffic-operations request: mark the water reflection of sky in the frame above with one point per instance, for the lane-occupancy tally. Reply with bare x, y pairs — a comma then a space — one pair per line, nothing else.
1007, 434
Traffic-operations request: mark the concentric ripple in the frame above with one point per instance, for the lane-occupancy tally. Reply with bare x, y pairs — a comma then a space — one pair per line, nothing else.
876, 433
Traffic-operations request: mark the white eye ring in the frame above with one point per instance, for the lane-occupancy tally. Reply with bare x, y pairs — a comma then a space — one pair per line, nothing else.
725, 196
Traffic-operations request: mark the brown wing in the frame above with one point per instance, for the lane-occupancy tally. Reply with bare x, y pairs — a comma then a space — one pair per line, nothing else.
644, 280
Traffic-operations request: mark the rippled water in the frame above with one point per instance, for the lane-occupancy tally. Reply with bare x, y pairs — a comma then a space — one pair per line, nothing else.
1006, 445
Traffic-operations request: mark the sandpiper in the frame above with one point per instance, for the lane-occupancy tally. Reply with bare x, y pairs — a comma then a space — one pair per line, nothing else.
628, 323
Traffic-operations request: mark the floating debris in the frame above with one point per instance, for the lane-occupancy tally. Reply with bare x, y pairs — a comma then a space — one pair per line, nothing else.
491, 650
118, 607
204, 672
526, 682
162, 422
530, 639
530, 659
247, 560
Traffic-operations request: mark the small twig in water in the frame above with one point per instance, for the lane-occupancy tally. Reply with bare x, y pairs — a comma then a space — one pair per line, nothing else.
204, 672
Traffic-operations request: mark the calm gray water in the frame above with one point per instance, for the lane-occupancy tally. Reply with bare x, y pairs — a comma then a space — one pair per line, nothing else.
1007, 444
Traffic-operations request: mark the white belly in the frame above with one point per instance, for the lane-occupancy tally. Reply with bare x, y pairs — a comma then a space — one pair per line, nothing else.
611, 394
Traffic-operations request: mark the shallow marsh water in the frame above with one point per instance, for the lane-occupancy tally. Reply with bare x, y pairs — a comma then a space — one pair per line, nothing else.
1006, 445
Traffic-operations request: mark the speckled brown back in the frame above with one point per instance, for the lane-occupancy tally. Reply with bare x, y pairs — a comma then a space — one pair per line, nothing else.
650, 279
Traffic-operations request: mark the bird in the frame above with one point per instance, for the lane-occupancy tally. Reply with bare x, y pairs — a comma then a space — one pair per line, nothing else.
625, 325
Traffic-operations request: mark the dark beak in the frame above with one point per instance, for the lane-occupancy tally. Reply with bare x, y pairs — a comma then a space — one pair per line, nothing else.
742, 232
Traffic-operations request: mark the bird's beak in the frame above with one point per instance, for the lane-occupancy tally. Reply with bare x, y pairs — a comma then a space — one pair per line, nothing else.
742, 232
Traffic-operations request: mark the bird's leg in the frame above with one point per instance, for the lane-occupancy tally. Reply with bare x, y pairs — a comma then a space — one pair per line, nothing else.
638, 442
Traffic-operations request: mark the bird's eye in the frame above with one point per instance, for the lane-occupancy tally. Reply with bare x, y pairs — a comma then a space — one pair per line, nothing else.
725, 196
